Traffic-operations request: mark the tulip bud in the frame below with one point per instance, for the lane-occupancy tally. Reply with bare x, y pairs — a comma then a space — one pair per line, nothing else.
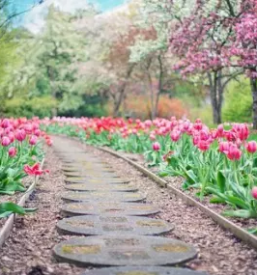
33, 140
12, 152
254, 192
251, 147
156, 146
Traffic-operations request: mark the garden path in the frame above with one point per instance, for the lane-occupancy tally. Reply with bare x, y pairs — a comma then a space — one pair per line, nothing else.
109, 218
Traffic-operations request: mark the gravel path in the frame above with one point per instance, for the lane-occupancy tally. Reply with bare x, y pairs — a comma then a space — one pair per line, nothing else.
29, 249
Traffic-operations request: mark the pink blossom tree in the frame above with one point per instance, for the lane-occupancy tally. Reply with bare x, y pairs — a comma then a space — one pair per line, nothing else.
199, 38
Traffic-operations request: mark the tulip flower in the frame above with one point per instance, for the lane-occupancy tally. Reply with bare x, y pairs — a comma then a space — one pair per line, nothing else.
5, 123
234, 153
251, 147
33, 140
203, 145
34, 170
5, 141
156, 146
12, 152
175, 135
224, 147
20, 135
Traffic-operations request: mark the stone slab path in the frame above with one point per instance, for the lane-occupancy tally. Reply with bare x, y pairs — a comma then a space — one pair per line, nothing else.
119, 238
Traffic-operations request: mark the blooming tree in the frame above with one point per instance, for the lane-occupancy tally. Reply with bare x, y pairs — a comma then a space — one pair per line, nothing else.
200, 39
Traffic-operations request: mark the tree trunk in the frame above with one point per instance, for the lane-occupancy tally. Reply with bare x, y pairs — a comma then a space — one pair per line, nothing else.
216, 93
119, 99
254, 95
121, 92
160, 84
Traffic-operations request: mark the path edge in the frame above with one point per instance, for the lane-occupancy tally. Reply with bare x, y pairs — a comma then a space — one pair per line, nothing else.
239, 232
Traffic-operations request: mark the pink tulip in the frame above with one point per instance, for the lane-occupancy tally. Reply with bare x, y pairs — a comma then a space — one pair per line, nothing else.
203, 145
20, 135
251, 147
224, 147
254, 192
12, 152
175, 135
33, 140
156, 146
5, 123
5, 141
234, 153
37, 132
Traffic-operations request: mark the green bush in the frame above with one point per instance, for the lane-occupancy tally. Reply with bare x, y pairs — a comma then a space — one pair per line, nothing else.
25, 107
238, 102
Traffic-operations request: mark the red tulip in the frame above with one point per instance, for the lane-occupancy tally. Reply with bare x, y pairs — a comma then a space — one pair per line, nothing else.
156, 146
251, 146
254, 192
12, 152
34, 170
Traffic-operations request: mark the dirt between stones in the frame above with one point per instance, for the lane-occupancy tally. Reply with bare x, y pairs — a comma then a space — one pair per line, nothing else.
29, 249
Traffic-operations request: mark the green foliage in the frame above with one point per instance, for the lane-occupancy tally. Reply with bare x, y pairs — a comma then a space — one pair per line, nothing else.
238, 102
37, 106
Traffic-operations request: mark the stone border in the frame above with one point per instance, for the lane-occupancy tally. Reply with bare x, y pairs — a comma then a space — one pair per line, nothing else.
7, 227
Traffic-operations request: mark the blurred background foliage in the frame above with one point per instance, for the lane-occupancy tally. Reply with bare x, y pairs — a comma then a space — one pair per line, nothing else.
97, 64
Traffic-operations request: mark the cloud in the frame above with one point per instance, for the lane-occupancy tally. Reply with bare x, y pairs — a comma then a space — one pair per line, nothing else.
35, 19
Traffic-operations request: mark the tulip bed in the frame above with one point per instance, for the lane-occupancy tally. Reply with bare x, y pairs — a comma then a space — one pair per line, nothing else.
219, 164
20, 155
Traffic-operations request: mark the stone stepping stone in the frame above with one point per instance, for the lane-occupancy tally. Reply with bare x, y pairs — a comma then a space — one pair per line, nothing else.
101, 195
102, 187
93, 186
102, 225
89, 167
109, 208
92, 180
85, 174
143, 270
132, 250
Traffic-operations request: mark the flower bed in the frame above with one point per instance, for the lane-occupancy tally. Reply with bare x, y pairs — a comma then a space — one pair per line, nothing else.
218, 165
20, 154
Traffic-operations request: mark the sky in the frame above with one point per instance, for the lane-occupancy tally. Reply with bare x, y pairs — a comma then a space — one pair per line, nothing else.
103, 4
34, 20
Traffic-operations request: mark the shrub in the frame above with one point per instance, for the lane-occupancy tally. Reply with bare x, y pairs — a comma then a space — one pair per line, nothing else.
38, 106
238, 102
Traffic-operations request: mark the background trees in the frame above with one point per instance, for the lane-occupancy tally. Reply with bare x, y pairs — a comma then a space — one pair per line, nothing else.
164, 57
